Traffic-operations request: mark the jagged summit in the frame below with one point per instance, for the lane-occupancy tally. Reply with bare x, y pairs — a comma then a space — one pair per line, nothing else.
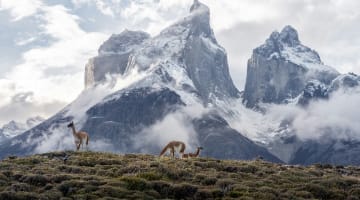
345, 81
14, 128
281, 45
184, 55
123, 42
279, 70
197, 6
289, 36
113, 56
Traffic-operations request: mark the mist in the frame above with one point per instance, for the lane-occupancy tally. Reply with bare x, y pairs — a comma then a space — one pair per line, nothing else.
175, 126
335, 118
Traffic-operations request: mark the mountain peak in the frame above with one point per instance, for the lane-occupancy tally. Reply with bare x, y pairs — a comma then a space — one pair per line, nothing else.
286, 65
198, 6
123, 42
289, 36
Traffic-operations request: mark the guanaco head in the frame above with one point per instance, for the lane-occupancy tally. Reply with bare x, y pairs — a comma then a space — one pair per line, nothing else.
201, 148
70, 125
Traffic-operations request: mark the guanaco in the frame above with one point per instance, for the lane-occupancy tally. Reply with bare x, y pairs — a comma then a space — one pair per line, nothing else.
79, 136
174, 146
193, 155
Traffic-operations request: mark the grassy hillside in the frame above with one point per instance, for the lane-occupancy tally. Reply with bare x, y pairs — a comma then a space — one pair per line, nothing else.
90, 175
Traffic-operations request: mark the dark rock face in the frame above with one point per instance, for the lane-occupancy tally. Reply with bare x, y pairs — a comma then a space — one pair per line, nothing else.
272, 81
205, 60
118, 120
328, 151
123, 42
279, 70
314, 90
221, 141
345, 81
113, 56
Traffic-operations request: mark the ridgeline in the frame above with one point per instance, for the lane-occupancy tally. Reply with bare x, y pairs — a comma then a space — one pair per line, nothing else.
94, 175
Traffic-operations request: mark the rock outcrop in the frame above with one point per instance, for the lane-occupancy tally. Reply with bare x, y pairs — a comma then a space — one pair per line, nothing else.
113, 56
279, 70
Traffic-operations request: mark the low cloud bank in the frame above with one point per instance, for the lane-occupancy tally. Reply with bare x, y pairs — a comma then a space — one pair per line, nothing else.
336, 118
175, 126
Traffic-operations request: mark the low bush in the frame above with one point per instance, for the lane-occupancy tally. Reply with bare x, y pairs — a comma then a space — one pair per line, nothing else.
162, 187
135, 183
182, 191
150, 176
36, 180
209, 181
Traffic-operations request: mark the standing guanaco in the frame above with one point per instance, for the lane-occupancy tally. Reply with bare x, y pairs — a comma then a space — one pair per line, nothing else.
193, 155
174, 146
79, 136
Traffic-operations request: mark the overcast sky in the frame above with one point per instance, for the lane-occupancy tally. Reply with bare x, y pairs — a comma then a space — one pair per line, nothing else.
45, 44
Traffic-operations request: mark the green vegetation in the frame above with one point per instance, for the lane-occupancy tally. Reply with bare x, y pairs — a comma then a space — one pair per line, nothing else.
93, 175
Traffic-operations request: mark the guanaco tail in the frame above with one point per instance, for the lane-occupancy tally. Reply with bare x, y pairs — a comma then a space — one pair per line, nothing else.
79, 136
172, 147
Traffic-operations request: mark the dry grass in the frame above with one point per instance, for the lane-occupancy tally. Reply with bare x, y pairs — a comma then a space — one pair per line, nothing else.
94, 175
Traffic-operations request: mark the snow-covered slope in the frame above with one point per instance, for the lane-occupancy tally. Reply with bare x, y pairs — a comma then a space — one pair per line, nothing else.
14, 128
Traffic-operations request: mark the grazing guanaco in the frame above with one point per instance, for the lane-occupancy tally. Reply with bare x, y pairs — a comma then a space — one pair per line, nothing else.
193, 155
79, 136
174, 146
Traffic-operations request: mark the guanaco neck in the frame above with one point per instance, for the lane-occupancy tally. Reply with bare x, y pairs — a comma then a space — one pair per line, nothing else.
73, 129
197, 152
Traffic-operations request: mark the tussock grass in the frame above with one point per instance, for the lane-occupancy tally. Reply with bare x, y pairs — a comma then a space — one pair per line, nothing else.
96, 175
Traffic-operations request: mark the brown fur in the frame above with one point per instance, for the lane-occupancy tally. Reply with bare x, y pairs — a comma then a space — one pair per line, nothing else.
172, 146
79, 137
192, 155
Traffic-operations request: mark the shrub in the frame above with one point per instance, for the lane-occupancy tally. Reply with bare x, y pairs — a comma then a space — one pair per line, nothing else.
184, 190
150, 176
18, 196
36, 180
317, 190
19, 187
51, 195
109, 191
355, 192
209, 181
235, 194
135, 183
69, 169
70, 187
225, 185
60, 178
248, 169
162, 187
3, 177
87, 163
204, 194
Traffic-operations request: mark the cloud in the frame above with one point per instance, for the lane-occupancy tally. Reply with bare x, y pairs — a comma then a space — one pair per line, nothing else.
20, 9
66, 55
334, 118
23, 105
174, 127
